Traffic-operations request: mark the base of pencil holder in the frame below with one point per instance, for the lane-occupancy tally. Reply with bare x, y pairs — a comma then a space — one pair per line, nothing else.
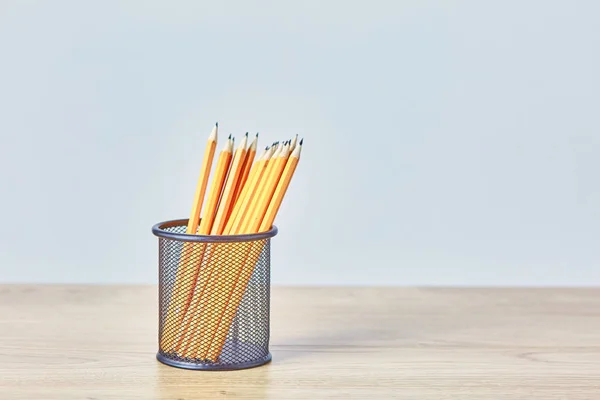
200, 366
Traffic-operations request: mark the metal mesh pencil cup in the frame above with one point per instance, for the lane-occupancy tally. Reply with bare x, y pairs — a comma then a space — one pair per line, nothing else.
214, 297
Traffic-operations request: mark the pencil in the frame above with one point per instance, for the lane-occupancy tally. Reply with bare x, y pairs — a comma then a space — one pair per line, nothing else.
253, 254
183, 285
262, 202
245, 171
223, 164
281, 189
245, 220
251, 223
207, 161
215, 288
219, 225
249, 192
201, 271
293, 145
228, 191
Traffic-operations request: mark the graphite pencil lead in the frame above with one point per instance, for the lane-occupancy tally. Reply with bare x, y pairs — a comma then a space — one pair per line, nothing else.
301, 141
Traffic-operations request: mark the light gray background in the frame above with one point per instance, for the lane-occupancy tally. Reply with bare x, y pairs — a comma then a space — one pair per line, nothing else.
447, 143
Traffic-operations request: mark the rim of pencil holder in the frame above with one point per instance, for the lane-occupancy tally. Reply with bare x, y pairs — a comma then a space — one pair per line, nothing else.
159, 230
238, 352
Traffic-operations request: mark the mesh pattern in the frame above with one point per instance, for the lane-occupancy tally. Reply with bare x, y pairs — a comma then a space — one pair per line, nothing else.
213, 302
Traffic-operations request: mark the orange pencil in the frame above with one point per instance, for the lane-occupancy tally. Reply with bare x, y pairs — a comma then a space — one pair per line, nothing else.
208, 216
215, 287
217, 229
253, 254
207, 161
228, 191
245, 171
262, 202
251, 224
250, 210
200, 272
182, 285
281, 189
249, 192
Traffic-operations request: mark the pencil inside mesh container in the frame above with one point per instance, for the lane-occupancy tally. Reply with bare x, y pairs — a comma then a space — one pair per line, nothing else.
214, 295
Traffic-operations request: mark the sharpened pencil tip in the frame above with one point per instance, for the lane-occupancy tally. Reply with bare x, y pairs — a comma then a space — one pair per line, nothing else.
229, 136
246, 134
256, 134
217, 124
301, 141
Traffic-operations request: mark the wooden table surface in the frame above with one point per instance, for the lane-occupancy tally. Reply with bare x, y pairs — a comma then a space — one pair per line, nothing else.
99, 342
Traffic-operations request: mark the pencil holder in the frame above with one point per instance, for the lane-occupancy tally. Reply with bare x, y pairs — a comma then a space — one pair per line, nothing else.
214, 295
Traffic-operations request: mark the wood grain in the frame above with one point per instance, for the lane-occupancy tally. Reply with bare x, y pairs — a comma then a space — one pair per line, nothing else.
99, 342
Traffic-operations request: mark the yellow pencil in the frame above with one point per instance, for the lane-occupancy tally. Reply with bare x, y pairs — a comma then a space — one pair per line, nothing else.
201, 272
269, 170
266, 192
184, 286
245, 171
249, 192
215, 287
253, 253
228, 191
